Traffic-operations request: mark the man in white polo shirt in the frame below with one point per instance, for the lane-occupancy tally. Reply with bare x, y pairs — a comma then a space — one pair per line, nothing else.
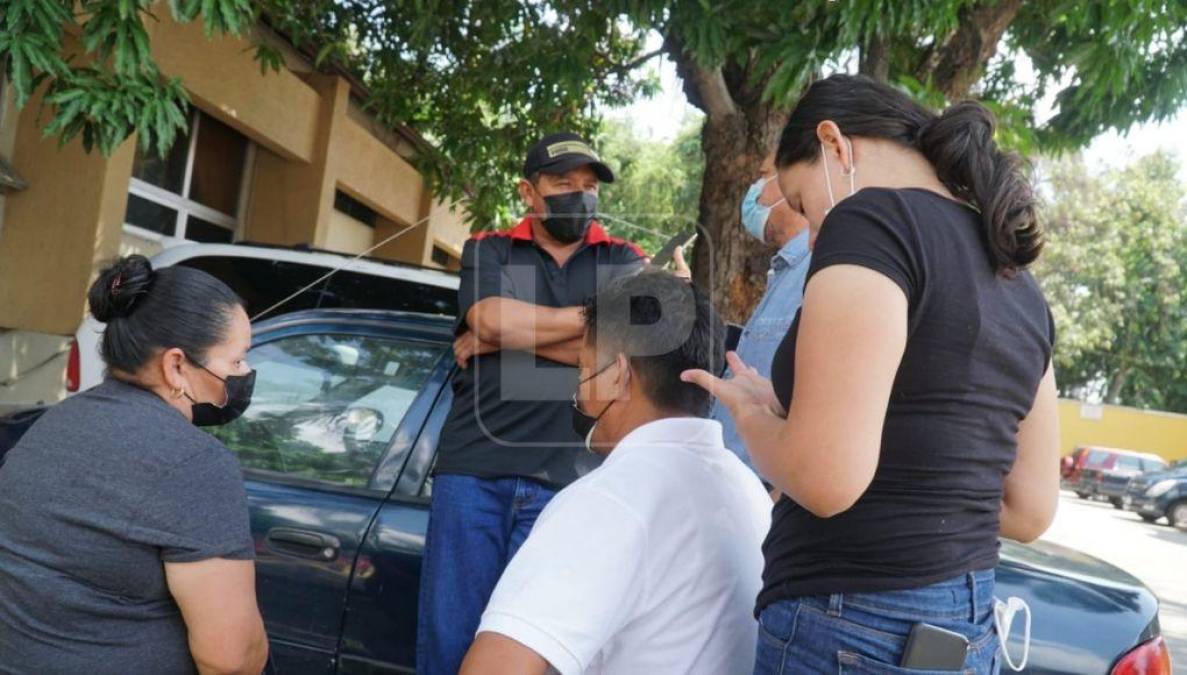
650, 563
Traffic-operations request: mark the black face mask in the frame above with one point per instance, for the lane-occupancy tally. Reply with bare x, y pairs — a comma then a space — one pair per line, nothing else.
569, 215
583, 423
239, 389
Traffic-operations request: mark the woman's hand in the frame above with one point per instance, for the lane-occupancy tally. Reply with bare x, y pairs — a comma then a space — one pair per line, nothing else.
746, 393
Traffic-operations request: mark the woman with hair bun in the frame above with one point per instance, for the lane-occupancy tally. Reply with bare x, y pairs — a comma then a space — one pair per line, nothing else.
125, 545
910, 419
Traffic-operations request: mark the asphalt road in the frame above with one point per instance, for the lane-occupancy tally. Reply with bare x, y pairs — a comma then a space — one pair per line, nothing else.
1156, 554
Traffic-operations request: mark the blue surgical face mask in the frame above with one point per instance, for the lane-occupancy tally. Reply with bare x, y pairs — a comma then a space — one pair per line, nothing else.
754, 215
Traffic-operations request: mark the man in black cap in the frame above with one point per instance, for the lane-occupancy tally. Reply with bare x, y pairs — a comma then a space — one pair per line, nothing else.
508, 444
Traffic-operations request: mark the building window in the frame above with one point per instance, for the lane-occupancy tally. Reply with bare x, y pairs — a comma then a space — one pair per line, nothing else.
194, 191
352, 207
441, 256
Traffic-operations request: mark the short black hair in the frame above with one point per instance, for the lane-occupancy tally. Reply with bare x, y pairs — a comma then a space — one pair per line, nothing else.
148, 311
664, 326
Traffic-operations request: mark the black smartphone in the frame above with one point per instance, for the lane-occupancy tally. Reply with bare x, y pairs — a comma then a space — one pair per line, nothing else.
733, 335
681, 238
933, 648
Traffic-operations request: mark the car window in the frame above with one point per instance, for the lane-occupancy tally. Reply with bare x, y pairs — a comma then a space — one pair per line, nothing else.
1096, 457
263, 283
1128, 464
326, 407
1152, 465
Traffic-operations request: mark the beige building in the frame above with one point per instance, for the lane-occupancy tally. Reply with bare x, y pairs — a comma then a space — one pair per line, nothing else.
283, 158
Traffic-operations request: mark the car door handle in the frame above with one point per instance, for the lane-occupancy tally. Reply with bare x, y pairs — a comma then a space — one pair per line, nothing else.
304, 543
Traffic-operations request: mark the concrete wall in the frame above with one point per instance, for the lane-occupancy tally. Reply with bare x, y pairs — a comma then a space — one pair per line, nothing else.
1163, 434
449, 227
311, 139
291, 199
59, 229
347, 235
278, 110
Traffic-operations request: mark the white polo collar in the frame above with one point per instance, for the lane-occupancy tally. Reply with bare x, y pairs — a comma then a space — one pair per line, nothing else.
694, 433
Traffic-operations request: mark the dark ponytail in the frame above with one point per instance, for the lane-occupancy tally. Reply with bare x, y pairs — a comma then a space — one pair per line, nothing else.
958, 143
148, 311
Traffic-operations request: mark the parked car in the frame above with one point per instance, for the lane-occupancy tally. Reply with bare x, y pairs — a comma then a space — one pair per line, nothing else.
1160, 494
1105, 472
264, 275
337, 449
1071, 466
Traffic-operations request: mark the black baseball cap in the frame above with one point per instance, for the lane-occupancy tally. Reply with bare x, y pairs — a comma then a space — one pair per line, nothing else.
559, 153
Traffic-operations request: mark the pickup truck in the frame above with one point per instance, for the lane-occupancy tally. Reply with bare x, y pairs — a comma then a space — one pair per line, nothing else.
337, 450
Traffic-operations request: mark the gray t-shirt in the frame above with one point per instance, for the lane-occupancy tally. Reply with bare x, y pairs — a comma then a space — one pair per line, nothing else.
102, 491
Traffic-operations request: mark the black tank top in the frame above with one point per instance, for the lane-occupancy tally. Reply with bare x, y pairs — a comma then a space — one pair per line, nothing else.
978, 344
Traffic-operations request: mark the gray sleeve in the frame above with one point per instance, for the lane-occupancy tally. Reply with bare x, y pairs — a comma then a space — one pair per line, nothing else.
197, 510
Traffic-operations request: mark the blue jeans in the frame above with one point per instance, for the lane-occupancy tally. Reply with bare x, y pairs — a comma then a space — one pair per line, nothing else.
867, 632
475, 526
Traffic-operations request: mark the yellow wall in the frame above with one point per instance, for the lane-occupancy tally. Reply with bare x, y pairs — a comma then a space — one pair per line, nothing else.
408, 247
1163, 434
277, 110
347, 235
374, 174
309, 143
291, 200
59, 229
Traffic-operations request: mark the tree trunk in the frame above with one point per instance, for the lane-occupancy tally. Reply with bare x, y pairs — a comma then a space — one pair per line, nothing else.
1117, 386
875, 58
727, 261
957, 65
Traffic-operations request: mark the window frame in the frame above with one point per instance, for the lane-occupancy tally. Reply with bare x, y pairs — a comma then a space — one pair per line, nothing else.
185, 206
386, 474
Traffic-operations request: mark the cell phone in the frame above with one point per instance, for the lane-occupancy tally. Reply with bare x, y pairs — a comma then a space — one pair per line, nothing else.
681, 238
733, 335
933, 648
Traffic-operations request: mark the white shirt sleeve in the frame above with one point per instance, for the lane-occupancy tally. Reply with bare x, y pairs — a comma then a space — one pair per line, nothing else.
575, 582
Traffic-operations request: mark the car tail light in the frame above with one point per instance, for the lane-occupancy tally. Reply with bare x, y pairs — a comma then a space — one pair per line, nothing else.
73, 369
1148, 658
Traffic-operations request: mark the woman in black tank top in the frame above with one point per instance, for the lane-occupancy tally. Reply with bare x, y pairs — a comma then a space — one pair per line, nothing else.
912, 419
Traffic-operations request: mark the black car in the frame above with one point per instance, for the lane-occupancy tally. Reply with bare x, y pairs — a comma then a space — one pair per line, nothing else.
1107, 471
337, 449
1160, 494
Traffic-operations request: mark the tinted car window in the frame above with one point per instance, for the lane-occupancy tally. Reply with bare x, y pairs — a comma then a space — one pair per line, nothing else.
263, 283
1096, 457
326, 407
353, 290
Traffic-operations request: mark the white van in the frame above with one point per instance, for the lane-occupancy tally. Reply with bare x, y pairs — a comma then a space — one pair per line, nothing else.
265, 275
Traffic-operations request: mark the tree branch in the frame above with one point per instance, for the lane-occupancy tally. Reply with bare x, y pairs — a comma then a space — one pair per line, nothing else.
956, 65
631, 65
705, 87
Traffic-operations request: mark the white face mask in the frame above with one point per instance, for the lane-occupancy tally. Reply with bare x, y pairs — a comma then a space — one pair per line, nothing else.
828, 179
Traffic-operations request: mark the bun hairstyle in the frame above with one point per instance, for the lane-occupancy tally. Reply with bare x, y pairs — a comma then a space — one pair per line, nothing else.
148, 311
958, 143
119, 287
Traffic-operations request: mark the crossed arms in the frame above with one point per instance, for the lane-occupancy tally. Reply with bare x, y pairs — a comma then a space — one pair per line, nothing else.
496, 323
